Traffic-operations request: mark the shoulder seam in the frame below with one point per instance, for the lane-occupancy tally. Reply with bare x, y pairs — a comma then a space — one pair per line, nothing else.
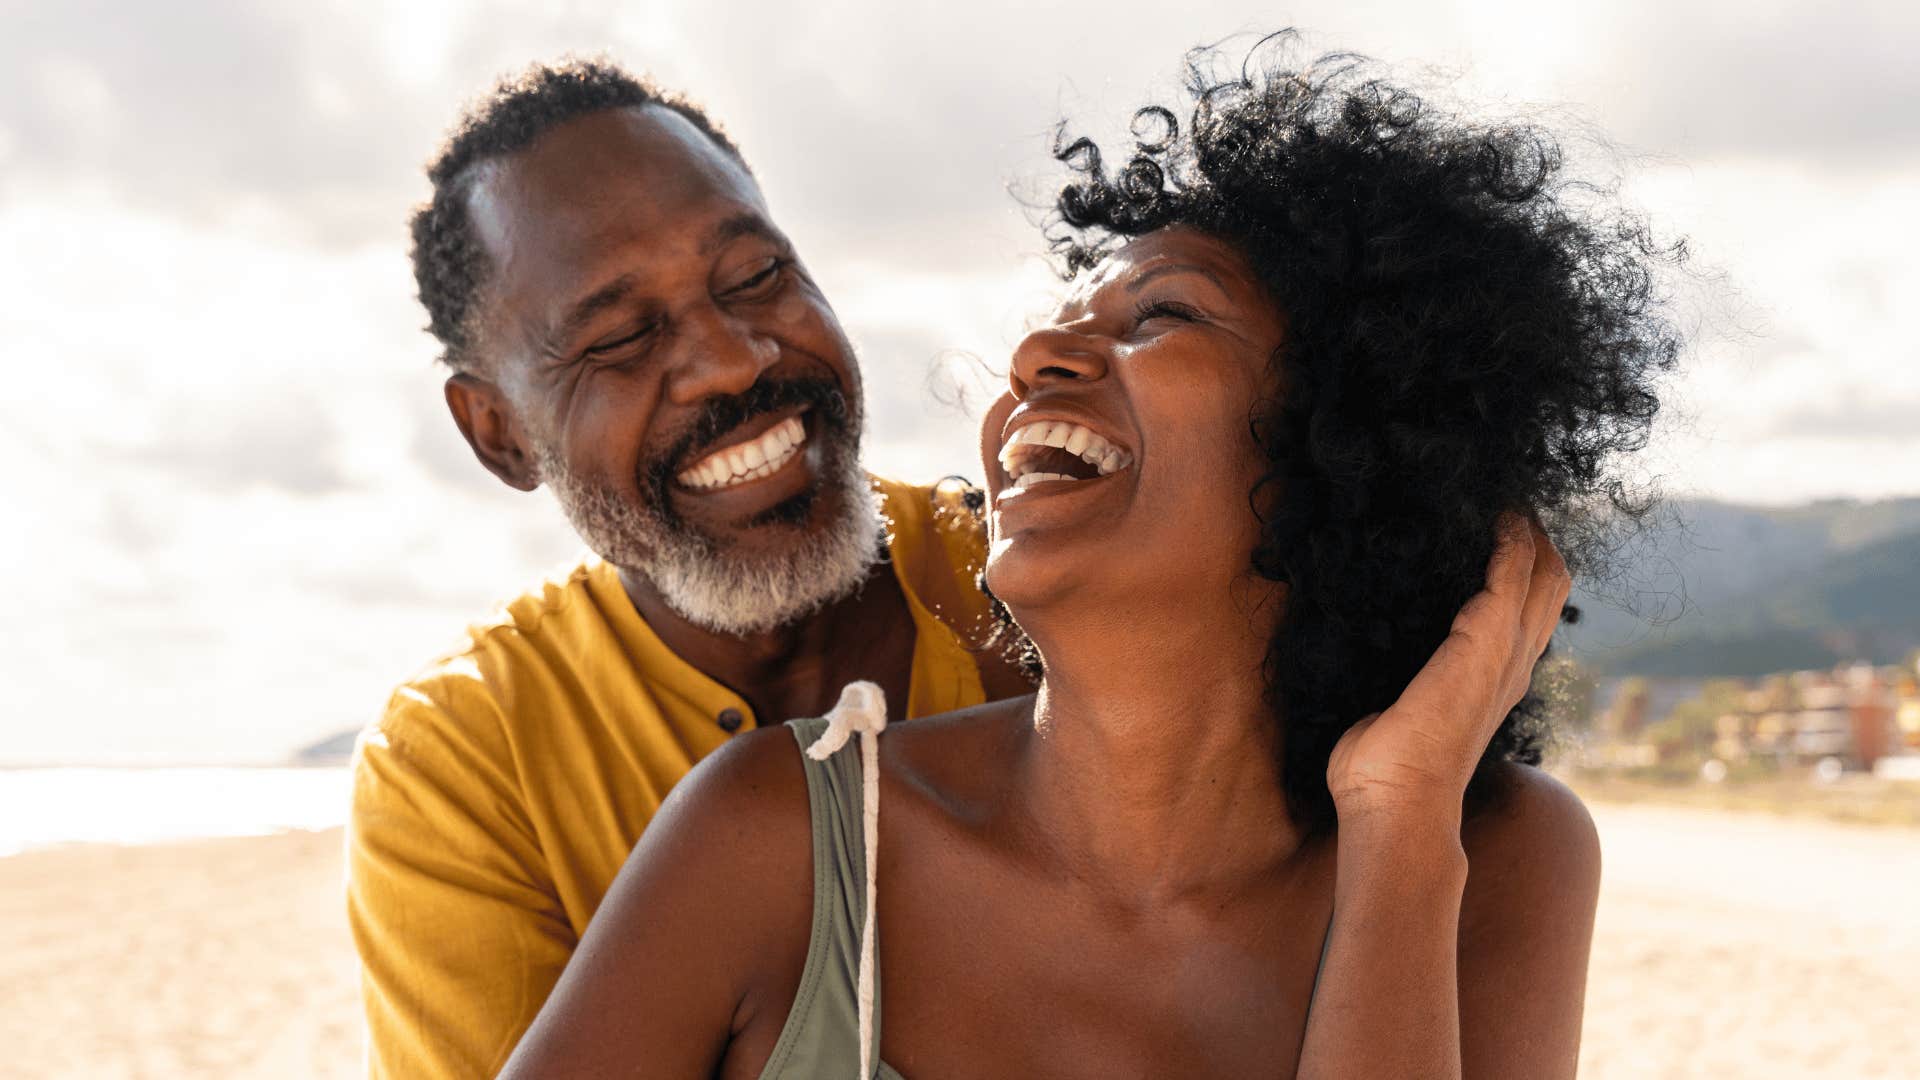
502, 621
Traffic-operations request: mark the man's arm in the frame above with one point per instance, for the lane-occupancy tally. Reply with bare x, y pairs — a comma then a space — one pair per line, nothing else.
459, 933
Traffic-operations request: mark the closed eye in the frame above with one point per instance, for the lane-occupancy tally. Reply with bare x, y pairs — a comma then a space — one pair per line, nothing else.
605, 349
1165, 309
761, 282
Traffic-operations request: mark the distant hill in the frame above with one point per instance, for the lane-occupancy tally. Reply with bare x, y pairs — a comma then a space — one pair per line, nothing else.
1736, 590
336, 749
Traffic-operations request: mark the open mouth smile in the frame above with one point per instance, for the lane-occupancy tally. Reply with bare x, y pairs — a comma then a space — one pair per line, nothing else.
1059, 451
744, 462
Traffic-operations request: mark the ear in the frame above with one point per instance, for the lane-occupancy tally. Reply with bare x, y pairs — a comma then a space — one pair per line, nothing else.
484, 415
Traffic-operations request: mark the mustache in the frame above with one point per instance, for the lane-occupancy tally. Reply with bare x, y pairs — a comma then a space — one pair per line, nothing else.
720, 416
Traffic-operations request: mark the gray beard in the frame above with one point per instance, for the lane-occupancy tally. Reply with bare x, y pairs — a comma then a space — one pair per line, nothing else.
717, 589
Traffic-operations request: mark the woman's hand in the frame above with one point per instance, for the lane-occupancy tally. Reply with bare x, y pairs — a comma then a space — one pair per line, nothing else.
1415, 759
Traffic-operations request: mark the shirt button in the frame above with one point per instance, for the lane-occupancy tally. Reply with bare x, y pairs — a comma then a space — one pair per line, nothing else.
730, 720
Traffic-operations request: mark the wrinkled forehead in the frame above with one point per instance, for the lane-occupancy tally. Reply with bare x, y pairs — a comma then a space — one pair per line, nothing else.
602, 179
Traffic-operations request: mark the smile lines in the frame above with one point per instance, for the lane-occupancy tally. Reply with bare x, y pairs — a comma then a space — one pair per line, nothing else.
749, 460
1059, 450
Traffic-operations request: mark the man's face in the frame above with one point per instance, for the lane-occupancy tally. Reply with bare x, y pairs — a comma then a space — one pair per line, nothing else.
682, 384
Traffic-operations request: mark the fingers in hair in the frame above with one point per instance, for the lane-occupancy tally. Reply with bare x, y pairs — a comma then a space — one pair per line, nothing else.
1547, 591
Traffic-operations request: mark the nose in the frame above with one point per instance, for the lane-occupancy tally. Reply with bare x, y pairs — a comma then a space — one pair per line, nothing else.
1055, 354
720, 355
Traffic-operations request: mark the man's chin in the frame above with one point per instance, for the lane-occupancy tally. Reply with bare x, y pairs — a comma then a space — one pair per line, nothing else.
795, 512
776, 531
752, 577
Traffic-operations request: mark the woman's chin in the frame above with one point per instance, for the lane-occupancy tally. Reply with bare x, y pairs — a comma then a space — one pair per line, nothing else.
1042, 575
1024, 577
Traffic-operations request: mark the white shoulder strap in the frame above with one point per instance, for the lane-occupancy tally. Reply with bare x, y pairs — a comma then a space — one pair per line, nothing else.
862, 709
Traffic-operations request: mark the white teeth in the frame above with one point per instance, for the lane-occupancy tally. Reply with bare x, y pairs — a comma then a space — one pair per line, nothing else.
749, 461
1027, 480
1079, 441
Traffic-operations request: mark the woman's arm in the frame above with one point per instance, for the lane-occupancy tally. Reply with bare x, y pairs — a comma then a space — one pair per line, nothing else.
707, 921
1387, 1003
1412, 895
1458, 955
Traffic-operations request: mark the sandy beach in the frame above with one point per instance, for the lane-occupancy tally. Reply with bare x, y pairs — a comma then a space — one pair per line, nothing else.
211, 959
1728, 945
1747, 945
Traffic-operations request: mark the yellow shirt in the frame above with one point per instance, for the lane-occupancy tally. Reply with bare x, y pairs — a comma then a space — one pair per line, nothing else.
502, 790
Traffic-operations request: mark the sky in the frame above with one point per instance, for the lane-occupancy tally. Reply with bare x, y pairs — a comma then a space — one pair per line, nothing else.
238, 513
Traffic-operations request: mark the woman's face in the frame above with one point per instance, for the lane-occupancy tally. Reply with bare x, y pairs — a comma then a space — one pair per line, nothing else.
1119, 459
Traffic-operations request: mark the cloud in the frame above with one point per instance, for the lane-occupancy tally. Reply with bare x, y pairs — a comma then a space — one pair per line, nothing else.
895, 138
1833, 86
1878, 419
284, 445
321, 123
203, 109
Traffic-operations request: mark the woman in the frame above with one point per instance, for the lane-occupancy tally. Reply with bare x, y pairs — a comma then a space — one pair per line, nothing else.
1262, 501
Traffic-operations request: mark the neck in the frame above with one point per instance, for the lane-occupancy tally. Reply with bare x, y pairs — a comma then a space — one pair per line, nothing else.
1153, 766
798, 668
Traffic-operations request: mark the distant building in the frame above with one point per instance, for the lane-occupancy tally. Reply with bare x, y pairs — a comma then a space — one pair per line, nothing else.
1628, 706
1858, 714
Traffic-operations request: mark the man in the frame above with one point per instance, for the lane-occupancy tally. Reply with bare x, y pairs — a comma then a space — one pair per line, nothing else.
626, 325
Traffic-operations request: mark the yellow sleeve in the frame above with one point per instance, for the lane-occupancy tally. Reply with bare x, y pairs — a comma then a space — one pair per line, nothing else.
459, 932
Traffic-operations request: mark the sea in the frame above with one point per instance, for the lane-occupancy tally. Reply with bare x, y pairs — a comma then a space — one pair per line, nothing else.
48, 807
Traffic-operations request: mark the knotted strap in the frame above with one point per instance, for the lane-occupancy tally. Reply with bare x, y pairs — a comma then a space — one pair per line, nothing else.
863, 709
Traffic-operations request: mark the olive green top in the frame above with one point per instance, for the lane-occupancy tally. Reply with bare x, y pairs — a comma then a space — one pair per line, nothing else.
821, 1038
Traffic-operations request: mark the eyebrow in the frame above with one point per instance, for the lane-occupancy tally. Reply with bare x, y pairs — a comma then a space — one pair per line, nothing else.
745, 223
1140, 281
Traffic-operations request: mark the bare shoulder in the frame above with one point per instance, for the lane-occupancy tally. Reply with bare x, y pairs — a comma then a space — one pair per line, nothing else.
1533, 844
1526, 926
741, 811
731, 843
948, 751
1528, 807
973, 719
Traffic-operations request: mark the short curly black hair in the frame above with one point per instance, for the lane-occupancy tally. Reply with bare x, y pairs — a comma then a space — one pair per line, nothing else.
1468, 331
449, 263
